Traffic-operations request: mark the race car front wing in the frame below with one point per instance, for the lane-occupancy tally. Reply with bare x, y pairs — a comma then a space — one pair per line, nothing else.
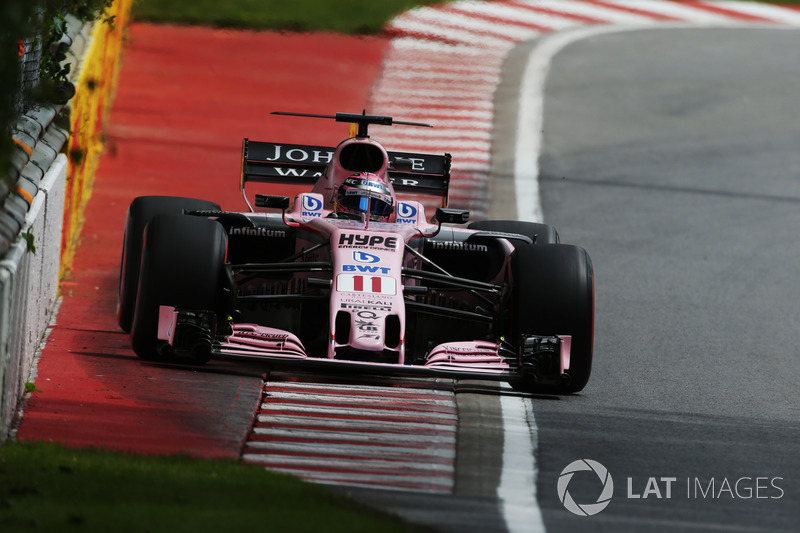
542, 360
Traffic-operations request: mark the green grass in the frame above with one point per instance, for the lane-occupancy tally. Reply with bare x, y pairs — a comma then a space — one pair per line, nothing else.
45, 487
342, 16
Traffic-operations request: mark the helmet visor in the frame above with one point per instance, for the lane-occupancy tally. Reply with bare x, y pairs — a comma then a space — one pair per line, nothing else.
355, 200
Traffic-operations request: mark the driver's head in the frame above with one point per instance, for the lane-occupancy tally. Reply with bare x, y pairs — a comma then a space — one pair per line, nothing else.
364, 193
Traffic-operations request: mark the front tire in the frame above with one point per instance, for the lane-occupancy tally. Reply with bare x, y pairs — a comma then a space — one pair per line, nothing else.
554, 295
183, 260
140, 213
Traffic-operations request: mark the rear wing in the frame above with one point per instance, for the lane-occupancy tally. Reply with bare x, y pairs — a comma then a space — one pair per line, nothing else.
299, 164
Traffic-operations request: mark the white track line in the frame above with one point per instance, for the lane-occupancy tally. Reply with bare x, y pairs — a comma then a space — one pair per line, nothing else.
531, 115
517, 488
452, 38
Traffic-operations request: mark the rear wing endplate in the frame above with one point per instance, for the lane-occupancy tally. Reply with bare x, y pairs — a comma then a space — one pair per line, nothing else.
299, 164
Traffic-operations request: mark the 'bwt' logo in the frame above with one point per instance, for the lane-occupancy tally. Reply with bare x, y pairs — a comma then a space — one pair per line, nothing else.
364, 257
311, 204
587, 509
406, 210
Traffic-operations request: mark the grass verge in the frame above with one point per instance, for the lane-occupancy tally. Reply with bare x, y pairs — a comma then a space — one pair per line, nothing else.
342, 16
46, 487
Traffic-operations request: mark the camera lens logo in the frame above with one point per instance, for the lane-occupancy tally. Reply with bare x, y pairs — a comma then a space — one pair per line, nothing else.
311, 204
406, 210
587, 509
364, 257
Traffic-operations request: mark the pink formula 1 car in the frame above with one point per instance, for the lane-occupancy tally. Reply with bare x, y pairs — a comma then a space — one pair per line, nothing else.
352, 276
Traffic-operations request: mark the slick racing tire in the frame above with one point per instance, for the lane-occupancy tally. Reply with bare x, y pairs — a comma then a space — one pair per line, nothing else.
183, 260
140, 212
538, 233
554, 295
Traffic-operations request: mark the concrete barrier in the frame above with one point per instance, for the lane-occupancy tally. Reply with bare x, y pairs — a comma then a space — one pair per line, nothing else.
46, 209
29, 288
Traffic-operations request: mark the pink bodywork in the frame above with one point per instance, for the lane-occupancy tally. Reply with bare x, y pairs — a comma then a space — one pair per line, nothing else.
367, 260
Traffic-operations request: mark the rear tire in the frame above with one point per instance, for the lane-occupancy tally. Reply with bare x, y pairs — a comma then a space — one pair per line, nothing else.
182, 266
554, 295
140, 213
539, 233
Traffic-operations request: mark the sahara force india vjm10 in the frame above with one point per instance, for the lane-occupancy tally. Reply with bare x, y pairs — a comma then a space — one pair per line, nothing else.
352, 276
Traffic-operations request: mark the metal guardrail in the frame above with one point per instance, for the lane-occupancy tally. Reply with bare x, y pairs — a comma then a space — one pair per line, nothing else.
29, 288
38, 140
31, 222
44, 208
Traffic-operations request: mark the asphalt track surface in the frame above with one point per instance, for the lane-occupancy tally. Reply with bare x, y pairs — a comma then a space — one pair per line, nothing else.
689, 217
671, 156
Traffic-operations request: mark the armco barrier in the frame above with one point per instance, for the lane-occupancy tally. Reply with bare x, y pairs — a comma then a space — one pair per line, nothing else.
29, 287
50, 204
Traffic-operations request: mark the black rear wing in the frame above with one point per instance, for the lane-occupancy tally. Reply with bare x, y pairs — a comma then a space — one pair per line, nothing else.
299, 164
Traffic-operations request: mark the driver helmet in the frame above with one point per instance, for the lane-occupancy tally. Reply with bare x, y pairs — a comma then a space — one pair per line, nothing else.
364, 193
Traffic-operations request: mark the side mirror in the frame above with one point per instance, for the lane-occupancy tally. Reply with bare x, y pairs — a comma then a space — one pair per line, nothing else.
277, 202
451, 216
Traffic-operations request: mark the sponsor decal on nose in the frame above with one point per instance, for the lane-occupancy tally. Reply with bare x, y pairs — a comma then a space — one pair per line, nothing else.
311, 204
364, 257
